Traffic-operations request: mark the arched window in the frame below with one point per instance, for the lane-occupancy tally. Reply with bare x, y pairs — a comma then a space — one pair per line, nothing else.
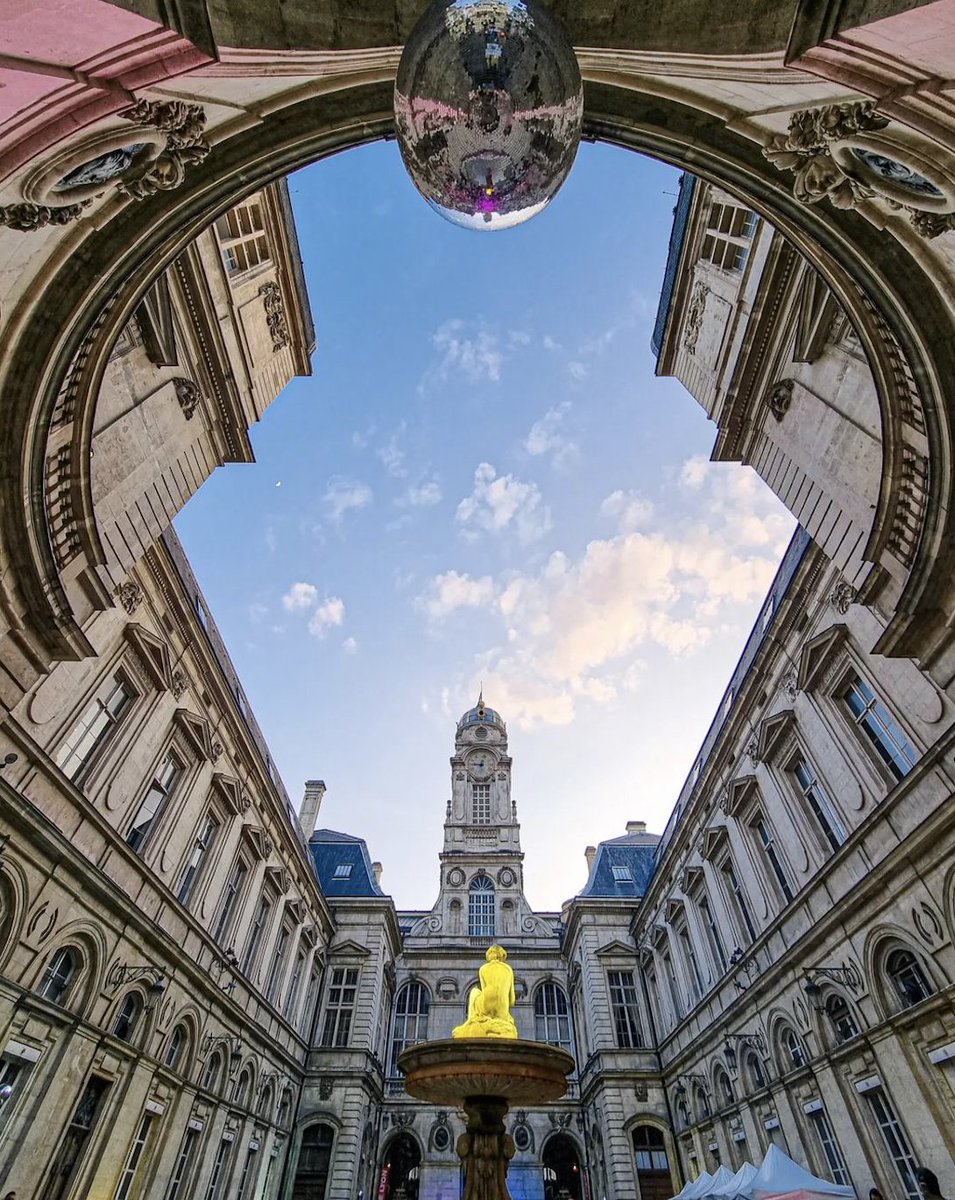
701, 1103
754, 1071
285, 1109
411, 1019
481, 908
243, 1086
908, 978
314, 1159
841, 1018
561, 1168
653, 1163
724, 1088
127, 1016
266, 1100
213, 1071
793, 1053
59, 975
175, 1047
551, 1016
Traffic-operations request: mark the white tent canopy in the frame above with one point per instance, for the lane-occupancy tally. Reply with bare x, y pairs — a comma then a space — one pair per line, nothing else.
737, 1186
779, 1176
719, 1184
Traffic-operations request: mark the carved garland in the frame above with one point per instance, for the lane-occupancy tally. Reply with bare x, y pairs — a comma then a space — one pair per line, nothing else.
275, 315
805, 150
694, 316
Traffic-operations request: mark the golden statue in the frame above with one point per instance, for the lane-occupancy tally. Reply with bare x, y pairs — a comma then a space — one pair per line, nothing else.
489, 1005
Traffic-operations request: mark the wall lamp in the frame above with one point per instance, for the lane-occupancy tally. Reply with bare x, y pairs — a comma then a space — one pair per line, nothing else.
749, 1039
212, 1040
845, 974
120, 973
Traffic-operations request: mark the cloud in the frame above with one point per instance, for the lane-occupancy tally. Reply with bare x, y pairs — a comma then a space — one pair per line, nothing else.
502, 503
392, 458
580, 628
468, 349
576, 370
350, 645
299, 596
694, 471
329, 613
451, 591
545, 437
342, 494
424, 496
629, 510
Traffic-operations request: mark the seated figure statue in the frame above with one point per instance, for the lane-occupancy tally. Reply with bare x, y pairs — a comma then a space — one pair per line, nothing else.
489, 1005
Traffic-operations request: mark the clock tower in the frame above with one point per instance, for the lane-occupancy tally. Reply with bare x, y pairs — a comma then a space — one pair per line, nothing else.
482, 886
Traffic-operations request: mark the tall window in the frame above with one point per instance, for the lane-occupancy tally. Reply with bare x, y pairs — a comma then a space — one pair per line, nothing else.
247, 1178
213, 1072
59, 975
480, 803
278, 961
754, 1070
242, 237
291, 996
184, 1165
908, 978
481, 908
412, 1005
73, 1142
689, 954
817, 801
895, 1142
127, 1016
737, 897
99, 719
165, 780
230, 901
767, 840
219, 1171
624, 1009
259, 922
175, 1047
879, 727
552, 1016
841, 1018
729, 231
205, 837
712, 932
795, 1055
314, 1160
676, 999
340, 1006
136, 1150
829, 1146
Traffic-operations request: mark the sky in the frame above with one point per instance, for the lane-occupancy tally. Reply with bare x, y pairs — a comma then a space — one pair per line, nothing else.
483, 481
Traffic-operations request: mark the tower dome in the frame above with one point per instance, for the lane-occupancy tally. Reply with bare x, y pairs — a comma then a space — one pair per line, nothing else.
480, 714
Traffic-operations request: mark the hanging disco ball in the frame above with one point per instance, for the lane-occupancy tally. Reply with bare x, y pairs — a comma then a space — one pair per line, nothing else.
488, 106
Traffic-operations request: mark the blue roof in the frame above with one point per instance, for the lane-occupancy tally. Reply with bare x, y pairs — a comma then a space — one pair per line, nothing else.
331, 853
481, 715
633, 855
681, 213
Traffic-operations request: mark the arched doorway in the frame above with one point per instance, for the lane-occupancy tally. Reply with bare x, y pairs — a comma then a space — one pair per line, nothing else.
400, 1170
561, 1167
652, 1162
314, 1161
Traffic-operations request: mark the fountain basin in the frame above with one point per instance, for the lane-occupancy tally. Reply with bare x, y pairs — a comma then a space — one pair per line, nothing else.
451, 1070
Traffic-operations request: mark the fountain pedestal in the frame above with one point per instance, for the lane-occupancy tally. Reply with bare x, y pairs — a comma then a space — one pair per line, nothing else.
484, 1076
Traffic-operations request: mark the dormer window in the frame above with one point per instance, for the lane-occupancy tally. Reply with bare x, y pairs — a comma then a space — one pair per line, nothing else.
622, 874
342, 871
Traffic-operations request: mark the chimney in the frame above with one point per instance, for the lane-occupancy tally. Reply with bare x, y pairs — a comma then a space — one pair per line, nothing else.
636, 827
590, 853
308, 813
376, 867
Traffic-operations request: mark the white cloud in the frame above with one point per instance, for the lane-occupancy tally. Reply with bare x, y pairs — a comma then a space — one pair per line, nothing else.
467, 349
424, 496
342, 495
350, 645
451, 591
299, 595
694, 471
577, 370
501, 503
629, 510
546, 437
330, 612
392, 458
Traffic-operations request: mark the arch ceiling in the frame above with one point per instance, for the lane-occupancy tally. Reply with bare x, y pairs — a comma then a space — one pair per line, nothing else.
232, 93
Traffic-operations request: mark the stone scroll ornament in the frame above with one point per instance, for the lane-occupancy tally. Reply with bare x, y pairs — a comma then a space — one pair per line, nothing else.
184, 125
806, 151
26, 218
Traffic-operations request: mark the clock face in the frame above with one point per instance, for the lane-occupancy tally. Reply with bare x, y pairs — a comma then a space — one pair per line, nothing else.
480, 765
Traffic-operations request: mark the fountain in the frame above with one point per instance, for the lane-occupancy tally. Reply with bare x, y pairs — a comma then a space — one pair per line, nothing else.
483, 1068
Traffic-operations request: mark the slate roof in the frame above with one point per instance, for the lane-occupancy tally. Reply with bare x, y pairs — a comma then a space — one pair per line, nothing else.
681, 213
634, 851
330, 849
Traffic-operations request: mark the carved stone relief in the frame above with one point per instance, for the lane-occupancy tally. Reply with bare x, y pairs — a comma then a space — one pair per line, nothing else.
842, 596
694, 316
188, 395
183, 124
275, 315
130, 596
780, 397
26, 218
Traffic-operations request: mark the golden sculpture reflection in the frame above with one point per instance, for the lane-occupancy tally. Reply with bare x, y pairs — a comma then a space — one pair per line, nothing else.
489, 1005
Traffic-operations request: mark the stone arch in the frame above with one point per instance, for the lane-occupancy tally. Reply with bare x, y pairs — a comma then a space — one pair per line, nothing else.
400, 1165
14, 903
128, 1016
721, 1084
185, 1063
562, 1155
881, 945
88, 942
313, 1156
823, 1015
656, 1181
787, 1050
892, 305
